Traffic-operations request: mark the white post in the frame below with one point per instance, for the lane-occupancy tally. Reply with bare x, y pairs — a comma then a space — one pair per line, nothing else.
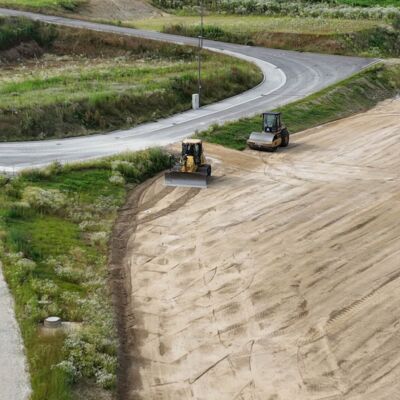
195, 101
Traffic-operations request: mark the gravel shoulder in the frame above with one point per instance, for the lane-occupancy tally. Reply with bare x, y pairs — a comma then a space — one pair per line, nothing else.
280, 281
14, 378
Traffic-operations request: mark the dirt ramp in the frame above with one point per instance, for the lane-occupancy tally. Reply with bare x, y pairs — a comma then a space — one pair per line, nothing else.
279, 281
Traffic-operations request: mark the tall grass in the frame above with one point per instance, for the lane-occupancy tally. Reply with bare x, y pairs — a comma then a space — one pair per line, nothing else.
44, 5
357, 9
13, 31
374, 41
54, 227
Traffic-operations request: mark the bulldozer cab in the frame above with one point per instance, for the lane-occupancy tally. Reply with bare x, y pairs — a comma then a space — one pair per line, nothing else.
272, 122
192, 169
193, 147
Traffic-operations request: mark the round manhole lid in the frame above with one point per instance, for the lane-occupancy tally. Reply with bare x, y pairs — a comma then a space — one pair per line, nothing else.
52, 322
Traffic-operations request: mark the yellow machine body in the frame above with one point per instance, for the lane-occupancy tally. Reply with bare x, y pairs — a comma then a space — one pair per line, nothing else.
273, 135
192, 169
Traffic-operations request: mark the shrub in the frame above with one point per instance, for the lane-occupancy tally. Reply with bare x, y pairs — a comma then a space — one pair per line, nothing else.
13, 31
51, 200
22, 270
117, 179
19, 209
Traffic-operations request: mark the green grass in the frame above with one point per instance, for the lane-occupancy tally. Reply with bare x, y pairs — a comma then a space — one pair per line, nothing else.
356, 94
67, 274
37, 5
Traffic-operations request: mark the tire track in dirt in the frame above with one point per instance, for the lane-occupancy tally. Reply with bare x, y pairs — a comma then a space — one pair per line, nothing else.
279, 281
120, 277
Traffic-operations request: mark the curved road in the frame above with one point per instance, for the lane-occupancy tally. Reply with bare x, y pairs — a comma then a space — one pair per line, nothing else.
288, 76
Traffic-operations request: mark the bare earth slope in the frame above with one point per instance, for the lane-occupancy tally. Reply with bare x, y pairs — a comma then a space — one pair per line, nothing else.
280, 281
118, 9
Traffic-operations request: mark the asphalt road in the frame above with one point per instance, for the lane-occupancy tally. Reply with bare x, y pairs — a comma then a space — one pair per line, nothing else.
288, 76
14, 378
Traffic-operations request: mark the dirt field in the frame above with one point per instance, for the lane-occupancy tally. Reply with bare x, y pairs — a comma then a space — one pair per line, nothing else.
278, 282
119, 9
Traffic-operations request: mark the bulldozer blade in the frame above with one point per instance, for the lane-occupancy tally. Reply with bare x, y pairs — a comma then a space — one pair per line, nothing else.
185, 179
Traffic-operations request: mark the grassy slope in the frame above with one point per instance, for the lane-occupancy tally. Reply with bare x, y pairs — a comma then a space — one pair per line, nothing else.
119, 83
55, 262
256, 23
356, 94
43, 5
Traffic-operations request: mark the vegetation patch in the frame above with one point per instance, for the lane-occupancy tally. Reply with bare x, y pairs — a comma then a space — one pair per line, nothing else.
88, 82
357, 9
54, 229
356, 94
43, 5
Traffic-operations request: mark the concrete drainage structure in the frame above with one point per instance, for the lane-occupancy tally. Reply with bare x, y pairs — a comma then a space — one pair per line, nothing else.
52, 322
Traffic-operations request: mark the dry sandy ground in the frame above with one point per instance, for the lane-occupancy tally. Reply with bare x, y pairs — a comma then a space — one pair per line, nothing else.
278, 282
118, 9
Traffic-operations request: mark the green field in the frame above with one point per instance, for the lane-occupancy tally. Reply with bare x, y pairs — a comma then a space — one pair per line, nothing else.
54, 229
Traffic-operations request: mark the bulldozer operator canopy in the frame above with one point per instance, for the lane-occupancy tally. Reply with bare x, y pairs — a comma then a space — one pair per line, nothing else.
192, 147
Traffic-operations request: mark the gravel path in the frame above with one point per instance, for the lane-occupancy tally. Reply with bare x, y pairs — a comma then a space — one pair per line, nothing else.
14, 378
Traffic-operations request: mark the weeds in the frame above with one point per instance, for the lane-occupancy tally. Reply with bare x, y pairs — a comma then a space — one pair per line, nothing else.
45, 5
13, 31
55, 224
348, 9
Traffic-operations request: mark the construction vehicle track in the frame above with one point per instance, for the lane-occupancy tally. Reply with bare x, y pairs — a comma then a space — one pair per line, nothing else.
280, 281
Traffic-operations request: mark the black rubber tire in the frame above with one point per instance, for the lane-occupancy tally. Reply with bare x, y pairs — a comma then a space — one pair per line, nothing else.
209, 170
285, 140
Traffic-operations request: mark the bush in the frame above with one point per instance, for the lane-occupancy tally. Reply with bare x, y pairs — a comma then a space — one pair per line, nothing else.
14, 31
47, 201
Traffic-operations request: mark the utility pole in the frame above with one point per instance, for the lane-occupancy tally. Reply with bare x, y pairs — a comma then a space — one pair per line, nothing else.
200, 48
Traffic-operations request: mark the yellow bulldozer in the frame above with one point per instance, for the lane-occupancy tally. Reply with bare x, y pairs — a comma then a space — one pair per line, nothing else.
274, 133
191, 170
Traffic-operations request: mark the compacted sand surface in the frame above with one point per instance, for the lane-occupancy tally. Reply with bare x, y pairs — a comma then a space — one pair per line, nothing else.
279, 281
